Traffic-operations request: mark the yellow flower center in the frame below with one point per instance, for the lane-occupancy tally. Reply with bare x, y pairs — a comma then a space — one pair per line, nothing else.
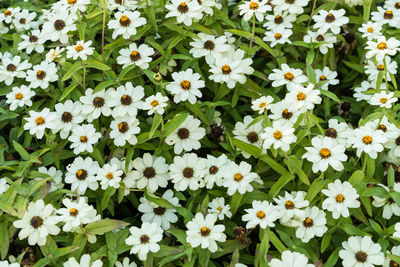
289, 76
73, 212
263, 104
301, 96
83, 139
260, 214
277, 134
185, 85
289, 205
325, 153
238, 177
339, 198
253, 5
380, 67
370, 30
383, 100
123, 18
154, 103
78, 48
7, 13
219, 208
278, 36
322, 77
39, 120
71, 2
367, 139
381, 46
226, 69
110, 175
19, 96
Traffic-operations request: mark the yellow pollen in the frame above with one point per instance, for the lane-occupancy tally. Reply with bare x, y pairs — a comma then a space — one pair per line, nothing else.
19, 96
278, 36
110, 175
339, 198
301, 96
308, 220
73, 212
380, 67
381, 46
383, 100
226, 69
79, 172
219, 208
238, 177
260, 214
185, 85
39, 120
123, 18
83, 139
7, 13
325, 153
253, 5
289, 76
71, 2
78, 48
367, 139
370, 30
154, 103
263, 104
322, 77
277, 134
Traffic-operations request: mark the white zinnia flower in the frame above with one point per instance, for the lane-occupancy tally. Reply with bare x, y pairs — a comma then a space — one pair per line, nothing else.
202, 231
109, 176
38, 122
214, 167
280, 135
254, 8
251, 135
185, 86
383, 99
217, 206
330, 20
188, 172
294, 6
83, 138
262, 104
291, 206
31, 42
185, 12
312, 224
382, 47
288, 76
82, 174
304, 98
124, 130
367, 139
58, 25
19, 97
68, 117
95, 104
209, 46
238, 177
291, 259
262, 213
84, 262
134, 55
125, 23
361, 251
155, 104
12, 67
81, 49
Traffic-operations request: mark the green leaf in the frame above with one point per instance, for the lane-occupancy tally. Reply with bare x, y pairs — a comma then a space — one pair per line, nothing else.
174, 123
252, 150
330, 95
196, 109
356, 178
93, 63
326, 240
314, 189
103, 85
276, 241
64, 251
159, 201
311, 74
156, 122
278, 185
102, 226
296, 164
235, 202
110, 191
151, 15
68, 90
4, 238
74, 68
179, 234
21, 151
274, 165
357, 67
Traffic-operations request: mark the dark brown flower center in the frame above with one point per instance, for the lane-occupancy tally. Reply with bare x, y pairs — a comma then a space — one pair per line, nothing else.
290, 1
361, 256
278, 19
126, 100
397, 5
289, 205
388, 14
144, 239
33, 38
204, 231
286, 114
123, 127
135, 56
41, 74
393, 264
73, 212
183, 8
320, 38
11, 67
213, 169
209, 45
81, 174
308, 222
124, 21
66, 117
183, 133
98, 102
149, 172
398, 141
331, 133
226, 69
36, 222
188, 172
59, 25
330, 18
159, 211
382, 127
252, 137
22, 21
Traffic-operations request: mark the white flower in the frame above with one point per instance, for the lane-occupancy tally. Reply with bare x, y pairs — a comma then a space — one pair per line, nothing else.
122, 5
383, 99
185, 86
155, 104
339, 131
125, 23
312, 224
262, 213
291, 206
207, 6
3, 185
361, 251
284, 112
54, 54
58, 25
387, 15
280, 135
76, 213
186, 136
82, 174
217, 206
125, 262
8, 14
304, 98
125, 100
83, 138
188, 172
278, 35
74, 5
365, 86
330, 20
37, 223
150, 172
19, 97
231, 68
155, 214
254, 8
288, 76
390, 207
95, 104
185, 12
325, 152
250, 135
209, 46
318, 37
81, 49
370, 30
294, 6
262, 104
291, 259
367, 139
24, 20
56, 175
387, 129
341, 197
327, 76
84, 262
109, 176
374, 68
5, 263
134, 55
238, 177
214, 167
202, 231
124, 130
389, 262
31, 42
42, 75
13, 67
279, 19
144, 240
38, 122
68, 117
397, 230
382, 47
